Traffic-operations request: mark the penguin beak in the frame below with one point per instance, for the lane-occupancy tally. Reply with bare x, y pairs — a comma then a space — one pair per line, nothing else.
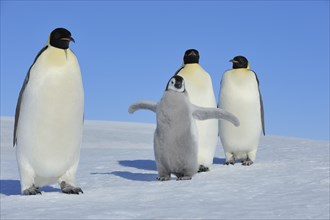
68, 39
233, 61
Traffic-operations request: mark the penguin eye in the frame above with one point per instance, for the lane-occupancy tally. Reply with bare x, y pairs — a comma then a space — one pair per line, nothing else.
172, 82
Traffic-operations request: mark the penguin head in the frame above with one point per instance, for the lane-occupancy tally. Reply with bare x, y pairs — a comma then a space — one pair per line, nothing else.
191, 56
60, 38
176, 84
240, 62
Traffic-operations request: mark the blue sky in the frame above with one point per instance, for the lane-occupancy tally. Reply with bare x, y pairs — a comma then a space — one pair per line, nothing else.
128, 50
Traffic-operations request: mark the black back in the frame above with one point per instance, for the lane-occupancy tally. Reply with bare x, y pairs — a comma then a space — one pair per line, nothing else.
261, 107
19, 101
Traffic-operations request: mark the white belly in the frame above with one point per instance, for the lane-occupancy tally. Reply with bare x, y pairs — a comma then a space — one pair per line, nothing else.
51, 119
200, 90
239, 95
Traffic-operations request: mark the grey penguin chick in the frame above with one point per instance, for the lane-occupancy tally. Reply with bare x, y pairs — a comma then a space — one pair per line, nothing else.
176, 134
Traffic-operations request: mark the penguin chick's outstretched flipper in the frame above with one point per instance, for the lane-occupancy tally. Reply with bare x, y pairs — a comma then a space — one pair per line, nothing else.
147, 105
201, 113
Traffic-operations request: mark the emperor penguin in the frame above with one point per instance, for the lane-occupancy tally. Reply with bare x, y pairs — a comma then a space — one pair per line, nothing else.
176, 134
49, 118
200, 89
240, 95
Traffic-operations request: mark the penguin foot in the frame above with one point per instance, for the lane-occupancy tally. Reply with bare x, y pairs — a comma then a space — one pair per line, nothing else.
33, 190
181, 176
203, 168
68, 189
163, 178
232, 162
247, 162
184, 178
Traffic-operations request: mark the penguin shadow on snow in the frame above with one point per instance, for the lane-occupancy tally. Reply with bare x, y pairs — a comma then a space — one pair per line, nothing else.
138, 164
145, 177
146, 165
13, 187
217, 160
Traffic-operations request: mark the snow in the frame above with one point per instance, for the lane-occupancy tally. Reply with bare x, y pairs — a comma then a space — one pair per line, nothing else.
117, 172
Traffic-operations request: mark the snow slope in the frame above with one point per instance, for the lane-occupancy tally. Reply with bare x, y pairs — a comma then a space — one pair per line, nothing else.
290, 180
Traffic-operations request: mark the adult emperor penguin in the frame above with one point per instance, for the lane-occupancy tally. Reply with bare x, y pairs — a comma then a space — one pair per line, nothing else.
200, 89
240, 94
49, 118
176, 138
